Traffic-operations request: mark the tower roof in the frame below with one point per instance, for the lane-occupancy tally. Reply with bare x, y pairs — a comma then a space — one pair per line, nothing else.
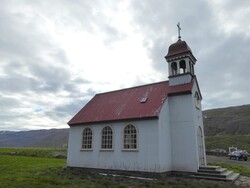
178, 48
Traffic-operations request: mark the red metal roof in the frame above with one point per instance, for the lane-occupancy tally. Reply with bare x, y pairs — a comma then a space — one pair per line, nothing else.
128, 103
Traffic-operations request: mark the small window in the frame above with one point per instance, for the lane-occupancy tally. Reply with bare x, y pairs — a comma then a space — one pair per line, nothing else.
144, 99
197, 101
87, 139
192, 68
107, 138
130, 137
174, 68
182, 66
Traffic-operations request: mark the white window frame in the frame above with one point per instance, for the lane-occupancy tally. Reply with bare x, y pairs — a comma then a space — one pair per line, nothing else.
131, 139
197, 101
89, 142
108, 139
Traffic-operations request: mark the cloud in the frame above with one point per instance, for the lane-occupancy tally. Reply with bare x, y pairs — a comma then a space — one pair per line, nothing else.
38, 89
56, 55
217, 40
227, 72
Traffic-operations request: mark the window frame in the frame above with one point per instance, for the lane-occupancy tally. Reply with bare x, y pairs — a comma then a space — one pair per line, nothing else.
197, 101
112, 139
87, 137
136, 139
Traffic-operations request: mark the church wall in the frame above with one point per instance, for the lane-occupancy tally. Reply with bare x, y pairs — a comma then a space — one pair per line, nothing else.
165, 156
198, 118
146, 158
180, 79
183, 133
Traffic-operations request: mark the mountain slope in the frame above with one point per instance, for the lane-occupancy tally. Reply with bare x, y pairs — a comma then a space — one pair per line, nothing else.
223, 121
227, 121
53, 138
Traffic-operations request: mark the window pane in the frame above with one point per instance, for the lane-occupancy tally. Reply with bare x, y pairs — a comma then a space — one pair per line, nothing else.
129, 137
107, 136
87, 138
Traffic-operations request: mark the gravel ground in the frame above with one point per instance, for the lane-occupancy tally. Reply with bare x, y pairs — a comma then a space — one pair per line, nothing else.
216, 159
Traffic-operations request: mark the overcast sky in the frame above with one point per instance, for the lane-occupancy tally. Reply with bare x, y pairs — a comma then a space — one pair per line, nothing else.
55, 55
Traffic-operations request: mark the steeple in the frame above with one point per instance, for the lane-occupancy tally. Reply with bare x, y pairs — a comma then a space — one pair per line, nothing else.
181, 62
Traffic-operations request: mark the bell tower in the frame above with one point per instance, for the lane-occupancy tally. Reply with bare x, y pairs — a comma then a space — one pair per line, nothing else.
181, 62
185, 113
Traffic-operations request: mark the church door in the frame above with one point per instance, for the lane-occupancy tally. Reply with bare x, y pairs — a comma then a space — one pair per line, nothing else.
200, 147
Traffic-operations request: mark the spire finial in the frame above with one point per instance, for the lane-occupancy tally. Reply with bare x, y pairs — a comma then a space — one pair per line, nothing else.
179, 30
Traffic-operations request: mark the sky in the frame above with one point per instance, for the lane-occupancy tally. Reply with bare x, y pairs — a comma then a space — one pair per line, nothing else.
56, 55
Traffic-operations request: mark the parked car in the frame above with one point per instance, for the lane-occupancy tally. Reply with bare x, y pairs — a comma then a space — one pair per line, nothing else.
238, 155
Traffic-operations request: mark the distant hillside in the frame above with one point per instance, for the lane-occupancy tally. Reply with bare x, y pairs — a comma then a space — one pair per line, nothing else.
223, 121
53, 138
227, 121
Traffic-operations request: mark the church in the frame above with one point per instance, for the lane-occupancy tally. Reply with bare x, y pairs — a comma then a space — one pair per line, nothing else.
154, 128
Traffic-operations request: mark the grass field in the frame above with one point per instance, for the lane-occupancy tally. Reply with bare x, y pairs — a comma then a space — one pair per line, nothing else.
32, 171
35, 152
223, 142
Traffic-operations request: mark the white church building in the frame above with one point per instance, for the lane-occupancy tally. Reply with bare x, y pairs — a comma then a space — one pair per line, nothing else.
156, 127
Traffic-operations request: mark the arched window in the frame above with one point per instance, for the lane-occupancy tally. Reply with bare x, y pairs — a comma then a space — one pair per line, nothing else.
130, 137
197, 101
182, 66
87, 138
174, 68
107, 138
190, 67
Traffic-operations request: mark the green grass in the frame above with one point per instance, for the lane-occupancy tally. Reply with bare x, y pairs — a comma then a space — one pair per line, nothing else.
223, 142
36, 167
21, 171
27, 172
35, 152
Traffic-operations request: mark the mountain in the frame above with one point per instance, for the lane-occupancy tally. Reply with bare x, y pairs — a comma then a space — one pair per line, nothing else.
52, 138
223, 121
227, 121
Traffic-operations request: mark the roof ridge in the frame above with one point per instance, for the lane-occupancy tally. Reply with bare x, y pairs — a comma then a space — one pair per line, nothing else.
132, 87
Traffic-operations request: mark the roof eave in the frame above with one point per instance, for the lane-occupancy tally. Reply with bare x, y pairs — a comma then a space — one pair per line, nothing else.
180, 93
178, 55
114, 120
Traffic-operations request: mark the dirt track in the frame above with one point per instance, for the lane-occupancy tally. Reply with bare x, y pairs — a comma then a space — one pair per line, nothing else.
215, 159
